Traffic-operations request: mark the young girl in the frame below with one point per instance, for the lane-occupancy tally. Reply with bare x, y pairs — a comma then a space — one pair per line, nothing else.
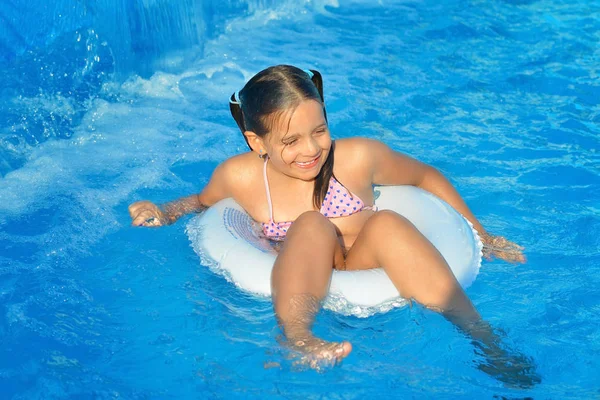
289, 183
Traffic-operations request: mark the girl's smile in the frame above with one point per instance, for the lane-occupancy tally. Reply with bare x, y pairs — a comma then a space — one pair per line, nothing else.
299, 146
308, 164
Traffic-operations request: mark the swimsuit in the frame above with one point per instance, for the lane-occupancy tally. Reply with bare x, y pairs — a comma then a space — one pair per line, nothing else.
338, 202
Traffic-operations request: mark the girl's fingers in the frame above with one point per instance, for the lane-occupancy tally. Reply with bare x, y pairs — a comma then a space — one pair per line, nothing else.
135, 208
153, 222
140, 207
511, 257
510, 244
146, 218
139, 221
516, 246
500, 243
487, 254
499, 247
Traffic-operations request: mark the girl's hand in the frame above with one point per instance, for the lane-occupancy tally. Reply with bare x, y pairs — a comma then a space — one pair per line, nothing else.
498, 246
146, 213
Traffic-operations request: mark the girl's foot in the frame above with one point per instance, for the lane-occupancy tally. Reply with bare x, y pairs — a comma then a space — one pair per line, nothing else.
513, 369
318, 354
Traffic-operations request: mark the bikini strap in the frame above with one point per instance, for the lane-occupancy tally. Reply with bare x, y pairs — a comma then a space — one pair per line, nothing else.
267, 189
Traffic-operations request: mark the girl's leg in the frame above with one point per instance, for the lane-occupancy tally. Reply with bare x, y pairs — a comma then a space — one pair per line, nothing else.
300, 280
414, 265
420, 272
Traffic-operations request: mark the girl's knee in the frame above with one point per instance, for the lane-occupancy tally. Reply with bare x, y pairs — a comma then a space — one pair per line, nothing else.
388, 230
310, 217
314, 223
390, 222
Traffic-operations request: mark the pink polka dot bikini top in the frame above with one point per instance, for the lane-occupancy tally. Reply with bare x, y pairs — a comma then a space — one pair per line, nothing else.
338, 202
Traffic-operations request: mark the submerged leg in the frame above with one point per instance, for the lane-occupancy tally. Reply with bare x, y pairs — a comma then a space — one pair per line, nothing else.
299, 282
420, 272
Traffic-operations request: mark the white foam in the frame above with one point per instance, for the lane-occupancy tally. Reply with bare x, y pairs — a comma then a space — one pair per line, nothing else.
131, 144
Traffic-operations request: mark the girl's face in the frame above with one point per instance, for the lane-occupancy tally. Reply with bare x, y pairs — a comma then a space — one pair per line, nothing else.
300, 144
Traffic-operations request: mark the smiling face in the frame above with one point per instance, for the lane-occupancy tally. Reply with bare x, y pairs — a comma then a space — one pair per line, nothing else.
300, 141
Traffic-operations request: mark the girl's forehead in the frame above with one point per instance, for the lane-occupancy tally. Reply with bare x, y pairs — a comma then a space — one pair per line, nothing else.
302, 119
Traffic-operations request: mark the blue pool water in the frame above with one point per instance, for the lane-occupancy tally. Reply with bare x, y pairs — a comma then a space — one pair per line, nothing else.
105, 103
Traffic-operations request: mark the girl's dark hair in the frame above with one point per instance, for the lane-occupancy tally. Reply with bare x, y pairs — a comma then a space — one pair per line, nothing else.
272, 93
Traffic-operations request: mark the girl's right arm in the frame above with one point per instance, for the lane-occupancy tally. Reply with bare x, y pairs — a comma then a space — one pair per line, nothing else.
145, 213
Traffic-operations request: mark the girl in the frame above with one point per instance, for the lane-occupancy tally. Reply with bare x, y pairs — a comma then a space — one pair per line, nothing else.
289, 183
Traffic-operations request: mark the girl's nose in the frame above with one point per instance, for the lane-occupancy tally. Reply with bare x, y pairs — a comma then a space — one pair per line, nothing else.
311, 146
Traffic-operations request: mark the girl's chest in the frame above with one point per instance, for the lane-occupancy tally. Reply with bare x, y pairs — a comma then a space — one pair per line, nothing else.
266, 201
285, 204
278, 204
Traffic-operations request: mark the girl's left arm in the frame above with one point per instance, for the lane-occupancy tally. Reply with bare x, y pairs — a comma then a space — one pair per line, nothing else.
392, 168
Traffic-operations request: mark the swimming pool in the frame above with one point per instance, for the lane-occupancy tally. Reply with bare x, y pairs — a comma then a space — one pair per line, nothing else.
109, 103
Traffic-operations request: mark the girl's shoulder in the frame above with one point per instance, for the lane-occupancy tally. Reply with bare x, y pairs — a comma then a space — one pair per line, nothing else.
244, 160
356, 153
235, 177
356, 146
241, 166
241, 169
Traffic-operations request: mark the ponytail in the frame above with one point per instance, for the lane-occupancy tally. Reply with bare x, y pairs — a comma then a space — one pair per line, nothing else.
322, 179
324, 176
235, 106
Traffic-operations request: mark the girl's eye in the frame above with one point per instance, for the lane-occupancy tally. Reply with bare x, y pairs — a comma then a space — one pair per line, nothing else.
320, 131
291, 142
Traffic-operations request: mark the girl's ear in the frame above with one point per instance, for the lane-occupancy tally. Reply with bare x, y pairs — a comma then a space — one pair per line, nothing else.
256, 143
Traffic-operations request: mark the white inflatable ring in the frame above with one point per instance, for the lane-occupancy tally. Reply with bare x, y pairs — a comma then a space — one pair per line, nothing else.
233, 247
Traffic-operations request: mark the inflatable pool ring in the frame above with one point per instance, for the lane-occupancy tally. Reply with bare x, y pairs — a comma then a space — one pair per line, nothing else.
236, 249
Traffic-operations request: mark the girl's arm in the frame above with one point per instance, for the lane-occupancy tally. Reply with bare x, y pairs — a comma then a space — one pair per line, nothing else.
389, 167
145, 213
392, 168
